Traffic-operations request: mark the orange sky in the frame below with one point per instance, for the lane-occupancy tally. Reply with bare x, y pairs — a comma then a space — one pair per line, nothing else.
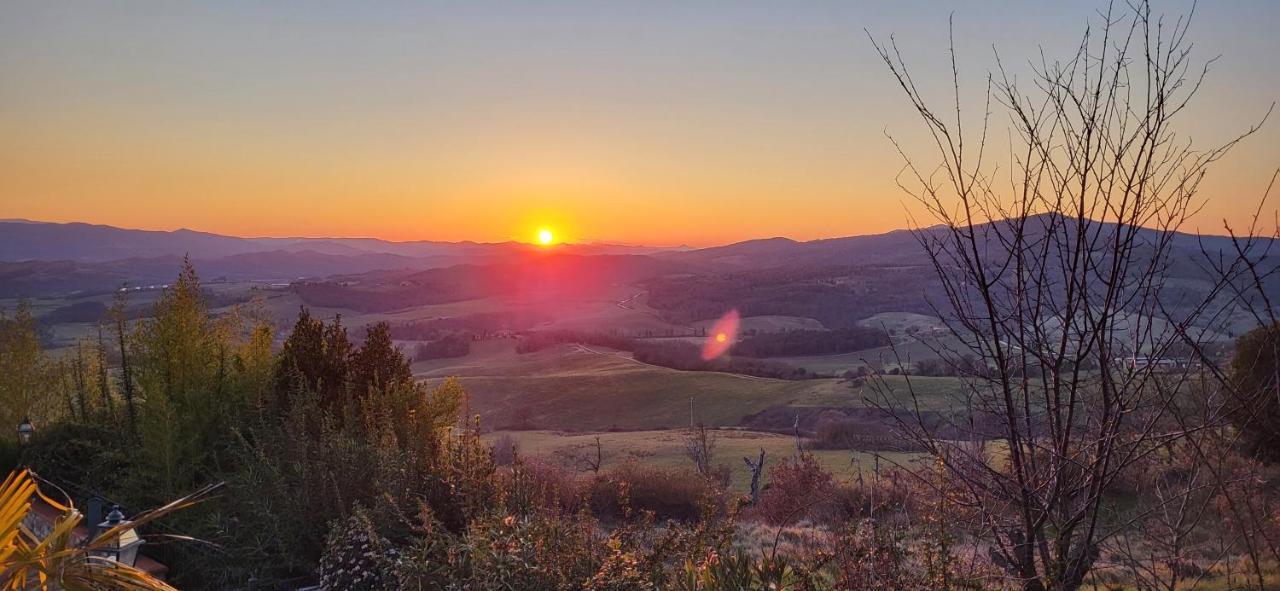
659, 124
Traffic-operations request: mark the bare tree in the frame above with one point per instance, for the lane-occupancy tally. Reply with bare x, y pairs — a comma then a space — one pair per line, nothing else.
595, 460
586, 457
1055, 272
757, 469
700, 448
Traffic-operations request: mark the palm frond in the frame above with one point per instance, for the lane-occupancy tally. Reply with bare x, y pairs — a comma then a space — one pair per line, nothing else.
57, 560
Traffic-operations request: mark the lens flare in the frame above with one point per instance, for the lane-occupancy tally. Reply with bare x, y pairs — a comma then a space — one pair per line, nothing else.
721, 336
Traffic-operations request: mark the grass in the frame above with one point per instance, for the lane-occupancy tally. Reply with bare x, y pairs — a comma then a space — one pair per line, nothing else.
1225, 575
666, 449
902, 322
934, 393
906, 351
574, 388
283, 308
587, 389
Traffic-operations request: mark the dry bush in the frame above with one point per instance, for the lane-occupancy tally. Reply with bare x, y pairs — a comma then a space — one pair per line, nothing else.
834, 430
668, 493
891, 492
505, 450
538, 486
799, 489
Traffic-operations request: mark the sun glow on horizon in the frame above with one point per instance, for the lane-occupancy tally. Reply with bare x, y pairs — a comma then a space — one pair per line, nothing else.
546, 237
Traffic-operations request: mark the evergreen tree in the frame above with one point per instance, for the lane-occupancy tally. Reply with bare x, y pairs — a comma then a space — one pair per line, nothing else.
24, 371
254, 365
187, 407
104, 382
378, 364
119, 317
1254, 408
314, 360
79, 375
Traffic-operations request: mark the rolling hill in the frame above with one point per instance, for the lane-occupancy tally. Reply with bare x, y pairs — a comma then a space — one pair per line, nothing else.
40, 259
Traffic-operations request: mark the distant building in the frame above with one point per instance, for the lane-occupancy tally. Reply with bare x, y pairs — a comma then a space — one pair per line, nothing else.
1136, 362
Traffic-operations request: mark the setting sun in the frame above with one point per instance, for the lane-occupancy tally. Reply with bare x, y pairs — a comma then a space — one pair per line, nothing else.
581, 225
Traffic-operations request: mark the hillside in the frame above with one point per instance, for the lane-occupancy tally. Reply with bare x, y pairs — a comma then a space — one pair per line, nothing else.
546, 276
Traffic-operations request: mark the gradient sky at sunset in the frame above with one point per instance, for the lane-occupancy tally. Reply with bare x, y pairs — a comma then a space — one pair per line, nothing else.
645, 122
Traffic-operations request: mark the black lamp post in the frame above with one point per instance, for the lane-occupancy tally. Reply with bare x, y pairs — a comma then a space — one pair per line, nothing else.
25, 431
122, 548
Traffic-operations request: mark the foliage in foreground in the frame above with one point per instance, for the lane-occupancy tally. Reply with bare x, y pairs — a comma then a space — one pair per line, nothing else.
341, 469
59, 560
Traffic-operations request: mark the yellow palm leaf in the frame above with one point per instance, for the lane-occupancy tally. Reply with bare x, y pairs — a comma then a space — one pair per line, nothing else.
56, 560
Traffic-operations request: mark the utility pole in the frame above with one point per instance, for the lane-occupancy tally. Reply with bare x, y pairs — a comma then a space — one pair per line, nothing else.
691, 412
799, 445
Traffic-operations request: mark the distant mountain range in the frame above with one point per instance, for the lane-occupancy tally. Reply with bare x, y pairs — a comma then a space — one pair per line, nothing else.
38, 259
896, 247
24, 240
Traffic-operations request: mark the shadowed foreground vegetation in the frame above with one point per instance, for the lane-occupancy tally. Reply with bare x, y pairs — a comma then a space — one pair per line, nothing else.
341, 470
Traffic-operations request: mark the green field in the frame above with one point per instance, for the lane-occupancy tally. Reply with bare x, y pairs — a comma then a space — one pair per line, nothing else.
904, 352
577, 388
666, 449
903, 322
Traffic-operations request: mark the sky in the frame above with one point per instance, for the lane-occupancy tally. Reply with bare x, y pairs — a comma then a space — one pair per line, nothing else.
652, 122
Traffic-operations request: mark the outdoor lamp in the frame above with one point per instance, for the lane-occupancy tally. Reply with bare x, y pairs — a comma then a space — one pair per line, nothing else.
25, 431
124, 547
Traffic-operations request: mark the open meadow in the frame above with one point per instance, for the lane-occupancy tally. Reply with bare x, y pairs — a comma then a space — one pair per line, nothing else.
666, 449
590, 388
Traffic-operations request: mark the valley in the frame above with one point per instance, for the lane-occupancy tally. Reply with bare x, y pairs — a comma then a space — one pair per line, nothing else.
597, 308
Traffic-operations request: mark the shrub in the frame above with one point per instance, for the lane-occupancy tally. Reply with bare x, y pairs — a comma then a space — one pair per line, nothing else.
1253, 407
834, 430
505, 450
454, 345
357, 557
798, 489
668, 493
868, 555
90, 456
534, 552
10, 452
889, 494
537, 486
